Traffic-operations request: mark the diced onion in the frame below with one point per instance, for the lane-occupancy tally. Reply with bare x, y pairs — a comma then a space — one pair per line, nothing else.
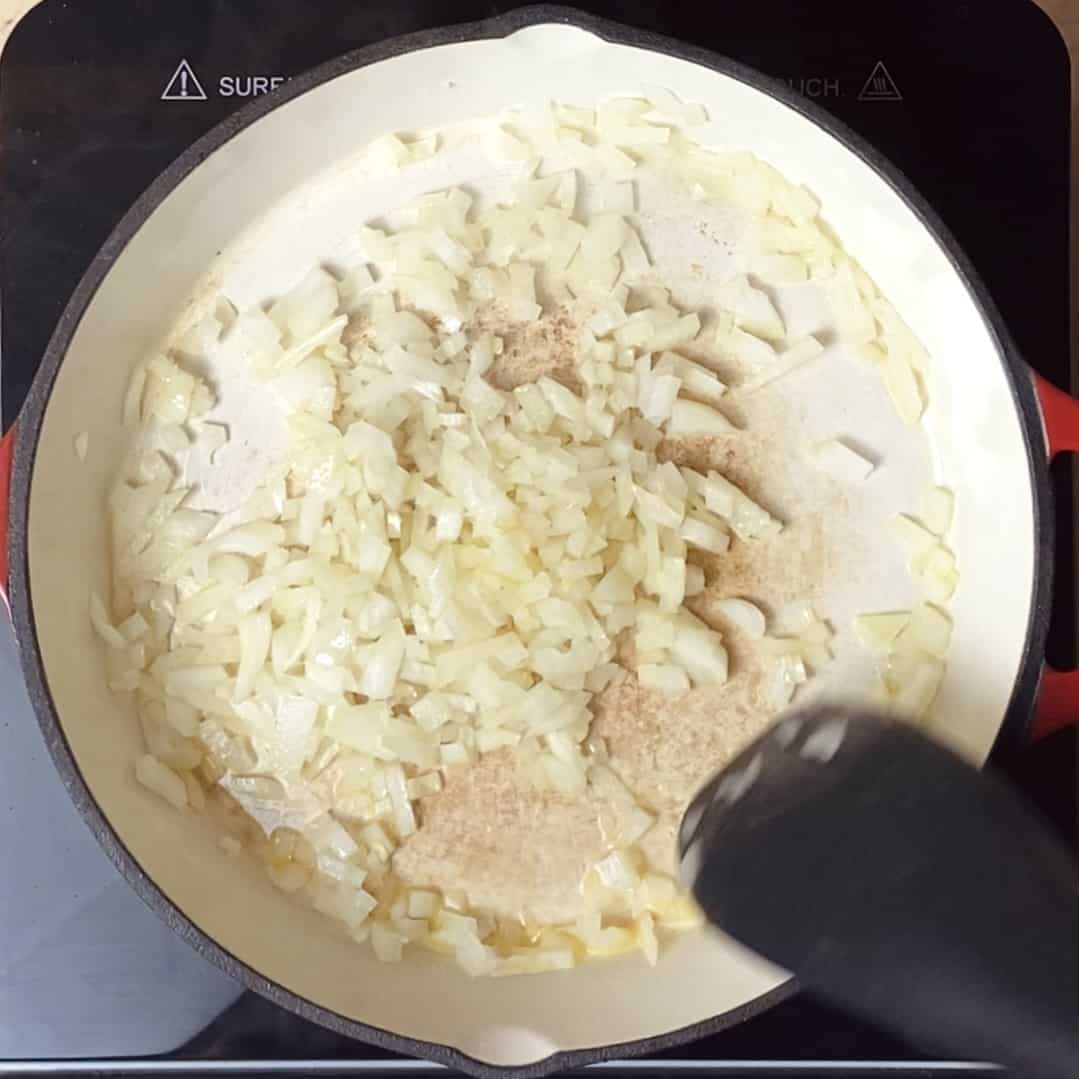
99, 618
918, 691
931, 629
697, 381
790, 360
708, 536
749, 350
781, 269
937, 510
442, 565
699, 651
878, 631
841, 462
694, 418
854, 320
753, 311
897, 338
745, 615
162, 780
663, 677
902, 386
914, 539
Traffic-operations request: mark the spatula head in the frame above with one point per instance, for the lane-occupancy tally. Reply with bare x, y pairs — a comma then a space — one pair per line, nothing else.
899, 881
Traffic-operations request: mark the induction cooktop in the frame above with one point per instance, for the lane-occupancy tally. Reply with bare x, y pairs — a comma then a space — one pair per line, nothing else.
970, 99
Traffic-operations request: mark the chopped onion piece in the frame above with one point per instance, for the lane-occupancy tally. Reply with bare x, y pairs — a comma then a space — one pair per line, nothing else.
657, 397
668, 109
747, 349
255, 632
615, 162
918, 691
503, 146
938, 573
697, 381
162, 780
781, 269
747, 519
841, 462
902, 386
663, 678
615, 197
941, 588
816, 656
359, 726
695, 582
897, 338
604, 237
787, 673
388, 944
699, 651
698, 532
937, 510
635, 260
753, 311
879, 631
911, 536
615, 871
168, 392
404, 820
818, 632
382, 662
854, 320
99, 619
689, 418
807, 349
939, 562
422, 904
931, 629
745, 615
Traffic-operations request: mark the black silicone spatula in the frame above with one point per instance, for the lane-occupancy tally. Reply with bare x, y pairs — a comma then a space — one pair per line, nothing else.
899, 882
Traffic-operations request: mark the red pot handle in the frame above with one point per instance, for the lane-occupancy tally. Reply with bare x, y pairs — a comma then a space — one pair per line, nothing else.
1058, 699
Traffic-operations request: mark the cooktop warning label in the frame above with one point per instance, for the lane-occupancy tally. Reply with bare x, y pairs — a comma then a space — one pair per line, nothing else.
184, 85
880, 86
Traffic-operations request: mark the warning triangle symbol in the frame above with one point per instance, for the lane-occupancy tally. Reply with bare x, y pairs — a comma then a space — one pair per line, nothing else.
184, 85
880, 86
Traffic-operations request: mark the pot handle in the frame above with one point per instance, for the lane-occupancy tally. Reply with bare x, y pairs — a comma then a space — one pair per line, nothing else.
7, 453
1058, 698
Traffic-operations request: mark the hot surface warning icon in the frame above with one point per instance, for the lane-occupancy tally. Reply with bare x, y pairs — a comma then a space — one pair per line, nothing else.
184, 85
880, 86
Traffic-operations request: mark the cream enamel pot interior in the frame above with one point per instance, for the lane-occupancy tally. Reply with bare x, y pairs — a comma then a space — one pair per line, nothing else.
991, 424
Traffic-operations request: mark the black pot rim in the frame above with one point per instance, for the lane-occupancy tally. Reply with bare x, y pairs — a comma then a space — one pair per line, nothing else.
1014, 724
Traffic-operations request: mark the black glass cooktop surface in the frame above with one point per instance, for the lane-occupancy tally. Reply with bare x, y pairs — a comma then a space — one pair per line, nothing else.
970, 99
